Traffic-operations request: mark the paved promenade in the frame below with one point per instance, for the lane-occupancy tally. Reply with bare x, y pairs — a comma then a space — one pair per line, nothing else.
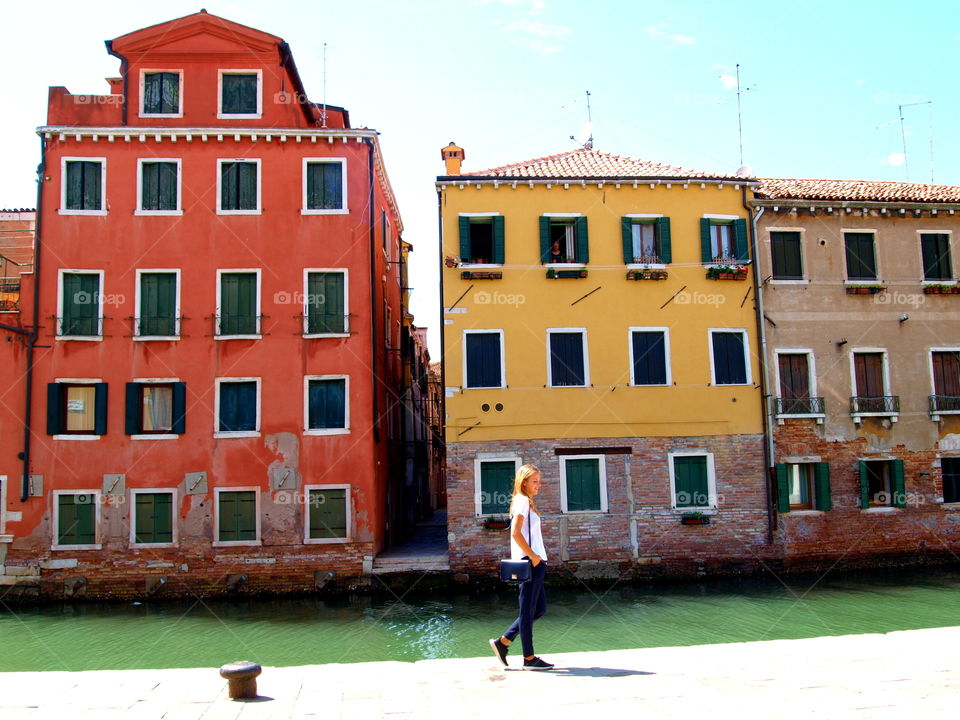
899, 675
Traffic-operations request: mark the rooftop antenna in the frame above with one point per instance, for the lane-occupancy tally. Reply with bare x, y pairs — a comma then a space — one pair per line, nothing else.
587, 129
323, 113
903, 135
740, 113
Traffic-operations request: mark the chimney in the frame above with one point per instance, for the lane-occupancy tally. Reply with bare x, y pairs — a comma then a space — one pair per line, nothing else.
452, 157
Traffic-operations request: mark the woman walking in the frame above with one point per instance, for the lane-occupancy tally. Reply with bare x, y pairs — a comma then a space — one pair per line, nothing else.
526, 541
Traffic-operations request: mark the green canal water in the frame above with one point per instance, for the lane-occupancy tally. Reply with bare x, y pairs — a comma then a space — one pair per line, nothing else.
304, 631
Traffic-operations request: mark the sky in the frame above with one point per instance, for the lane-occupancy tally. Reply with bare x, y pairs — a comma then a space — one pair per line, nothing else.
821, 85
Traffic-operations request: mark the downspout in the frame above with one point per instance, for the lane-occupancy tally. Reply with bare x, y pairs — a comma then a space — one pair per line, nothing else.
124, 72
371, 211
764, 369
443, 364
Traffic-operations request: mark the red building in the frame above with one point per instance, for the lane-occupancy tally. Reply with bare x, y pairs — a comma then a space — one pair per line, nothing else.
215, 348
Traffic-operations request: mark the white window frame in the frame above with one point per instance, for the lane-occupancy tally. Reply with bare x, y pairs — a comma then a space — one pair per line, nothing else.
503, 366
239, 116
346, 301
950, 244
666, 352
83, 338
258, 309
143, 88
78, 381
645, 216
583, 347
217, 542
133, 516
155, 381
933, 387
876, 257
803, 255
746, 356
307, 161
63, 185
479, 266
885, 360
602, 463
259, 208
724, 220
478, 487
54, 545
562, 215
307, 430
136, 319
348, 499
140, 164
217, 433
811, 379
712, 507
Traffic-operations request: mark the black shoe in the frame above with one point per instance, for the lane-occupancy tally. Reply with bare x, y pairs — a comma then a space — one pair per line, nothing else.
536, 664
500, 650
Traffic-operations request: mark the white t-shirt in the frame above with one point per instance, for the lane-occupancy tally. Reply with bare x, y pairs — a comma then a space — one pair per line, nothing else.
530, 530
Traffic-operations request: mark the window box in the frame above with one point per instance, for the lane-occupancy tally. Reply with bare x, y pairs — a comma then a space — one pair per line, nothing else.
555, 274
865, 289
646, 275
727, 272
941, 289
695, 518
496, 523
476, 275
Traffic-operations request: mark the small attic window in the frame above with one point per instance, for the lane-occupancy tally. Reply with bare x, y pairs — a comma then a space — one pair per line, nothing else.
161, 93
240, 93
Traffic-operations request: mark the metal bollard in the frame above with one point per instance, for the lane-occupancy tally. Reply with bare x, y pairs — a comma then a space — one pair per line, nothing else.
242, 677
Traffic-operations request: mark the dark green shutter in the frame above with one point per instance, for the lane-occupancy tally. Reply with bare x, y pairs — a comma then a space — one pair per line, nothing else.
149, 185
663, 240
740, 244
328, 513
690, 481
783, 487
81, 304
498, 240
154, 518
100, 420
228, 186
465, 255
583, 243
167, 180
706, 254
545, 239
325, 303
899, 485
238, 298
496, 486
327, 404
332, 185
74, 180
864, 484
823, 501
77, 519
134, 408
583, 485
55, 424
247, 191
179, 408
238, 516
626, 234
158, 303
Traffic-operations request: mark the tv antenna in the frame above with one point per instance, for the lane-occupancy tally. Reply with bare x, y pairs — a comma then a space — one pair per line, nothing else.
740, 92
587, 142
323, 113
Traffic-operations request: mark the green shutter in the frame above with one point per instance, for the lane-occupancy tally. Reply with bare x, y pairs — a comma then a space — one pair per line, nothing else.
228, 186
77, 519
783, 487
545, 239
465, 255
583, 243
325, 303
92, 180
899, 485
154, 518
100, 411
149, 185
706, 254
864, 484
158, 303
133, 409
583, 485
496, 486
328, 513
167, 179
823, 501
238, 297
498, 240
54, 408
626, 234
238, 519
740, 242
663, 240
81, 304
247, 191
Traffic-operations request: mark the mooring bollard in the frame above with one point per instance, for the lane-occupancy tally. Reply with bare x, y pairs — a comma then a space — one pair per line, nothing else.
242, 676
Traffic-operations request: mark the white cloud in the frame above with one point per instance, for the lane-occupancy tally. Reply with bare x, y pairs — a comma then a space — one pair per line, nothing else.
683, 40
675, 39
540, 37
895, 159
729, 81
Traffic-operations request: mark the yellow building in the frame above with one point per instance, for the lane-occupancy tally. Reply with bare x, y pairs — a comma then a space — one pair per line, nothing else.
599, 323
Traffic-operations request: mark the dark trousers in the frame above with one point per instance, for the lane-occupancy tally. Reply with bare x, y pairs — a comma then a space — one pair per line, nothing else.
533, 605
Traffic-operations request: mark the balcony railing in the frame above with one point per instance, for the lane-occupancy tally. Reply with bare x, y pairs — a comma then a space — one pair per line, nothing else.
80, 326
800, 406
949, 404
237, 324
882, 405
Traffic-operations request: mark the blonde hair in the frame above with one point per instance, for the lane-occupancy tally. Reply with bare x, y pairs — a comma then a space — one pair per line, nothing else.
523, 474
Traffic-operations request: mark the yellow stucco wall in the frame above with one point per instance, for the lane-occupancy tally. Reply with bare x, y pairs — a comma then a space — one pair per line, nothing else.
524, 304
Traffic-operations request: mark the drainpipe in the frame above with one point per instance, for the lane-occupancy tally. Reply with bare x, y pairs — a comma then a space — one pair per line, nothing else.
124, 74
443, 364
764, 379
371, 211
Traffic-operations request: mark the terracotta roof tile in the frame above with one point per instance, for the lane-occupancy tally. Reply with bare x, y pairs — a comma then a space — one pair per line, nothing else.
585, 163
855, 190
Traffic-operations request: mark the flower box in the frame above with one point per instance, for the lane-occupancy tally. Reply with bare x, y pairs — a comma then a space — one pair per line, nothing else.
554, 274
694, 519
865, 289
646, 274
941, 289
727, 272
496, 523
480, 275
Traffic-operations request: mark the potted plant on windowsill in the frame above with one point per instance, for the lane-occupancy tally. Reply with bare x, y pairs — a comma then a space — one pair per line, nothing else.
865, 289
694, 518
727, 272
941, 289
496, 522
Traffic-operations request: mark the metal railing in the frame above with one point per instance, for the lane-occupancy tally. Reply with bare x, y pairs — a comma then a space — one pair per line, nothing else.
79, 326
882, 405
239, 324
800, 406
944, 403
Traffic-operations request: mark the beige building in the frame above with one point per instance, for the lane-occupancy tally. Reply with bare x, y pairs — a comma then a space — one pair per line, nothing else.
862, 342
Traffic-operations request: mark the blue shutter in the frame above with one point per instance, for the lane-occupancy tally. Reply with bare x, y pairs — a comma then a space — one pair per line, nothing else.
133, 409
566, 359
100, 421
483, 360
179, 408
649, 358
54, 408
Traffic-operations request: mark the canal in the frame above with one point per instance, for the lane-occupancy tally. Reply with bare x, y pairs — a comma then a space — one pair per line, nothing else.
306, 631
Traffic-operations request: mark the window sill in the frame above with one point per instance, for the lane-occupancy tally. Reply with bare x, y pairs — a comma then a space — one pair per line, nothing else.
801, 281
587, 513
314, 336
879, 510
894, 417
332, 211
935, 416
479, 266
819, 417
647, 266
952, 505
76, 437
566, 265
240, 116
96, 546
167, 116
804, 513
326, 431
237, 434
946, 281
725, 385
148, 546
239, 212
237, 543
561, 387
650, 385
238, 337
156, 338
863, 281
82, 212
81, 338
686, 510
158, 213
157, 436
326, 541
484, 387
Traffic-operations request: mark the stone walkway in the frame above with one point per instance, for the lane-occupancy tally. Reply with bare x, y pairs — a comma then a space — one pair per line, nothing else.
899, 675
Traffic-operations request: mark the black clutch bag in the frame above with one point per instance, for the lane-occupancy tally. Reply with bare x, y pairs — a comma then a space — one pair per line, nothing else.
518, 571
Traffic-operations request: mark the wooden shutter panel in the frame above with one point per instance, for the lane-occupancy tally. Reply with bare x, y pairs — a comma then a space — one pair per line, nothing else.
706, 254
626, 232
149, 185
783, 488
162, 517
247, 181
179, 426
498, 240
864, 485
143, 518
740, 241
545, 239
92, 191
583, 243
167, 186
899, 485
227, 525
332, 186
823, 501
464, 223
663, 240
133, 409
100, 420
54, 408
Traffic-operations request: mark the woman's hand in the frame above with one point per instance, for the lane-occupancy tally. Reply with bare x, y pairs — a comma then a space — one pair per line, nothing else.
535, 560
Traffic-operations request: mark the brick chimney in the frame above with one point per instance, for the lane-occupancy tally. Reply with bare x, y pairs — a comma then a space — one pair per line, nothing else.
452, 157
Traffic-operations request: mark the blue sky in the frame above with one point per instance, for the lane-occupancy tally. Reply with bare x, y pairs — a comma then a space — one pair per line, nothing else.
506, 80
